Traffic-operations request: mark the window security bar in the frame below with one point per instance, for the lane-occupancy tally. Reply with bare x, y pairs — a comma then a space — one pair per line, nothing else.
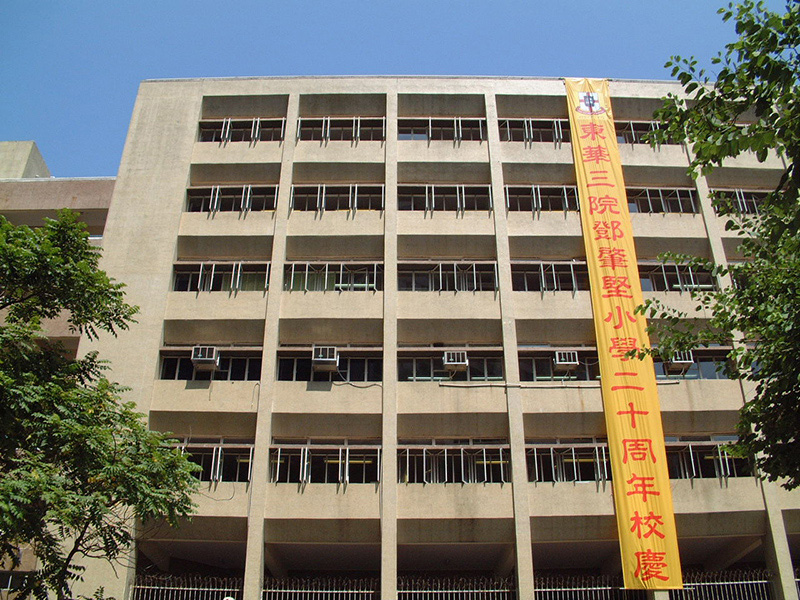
333, 277
252, 129
352, 129
633, 132
745, 202
455, 464
537, 198
544, 277
448, 277
455, 129
325, 464
159, 587
351, 197
243, 198
220, 461
221, 277
662, 200
452, 198
555, 463
455, 588
674, 277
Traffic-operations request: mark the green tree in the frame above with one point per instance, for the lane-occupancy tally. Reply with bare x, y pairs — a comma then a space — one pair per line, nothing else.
77, 465
751, 106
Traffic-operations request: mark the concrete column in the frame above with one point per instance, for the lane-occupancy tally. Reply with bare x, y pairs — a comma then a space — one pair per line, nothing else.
259, 491
389, 413
778, 555
516, 430
712, 227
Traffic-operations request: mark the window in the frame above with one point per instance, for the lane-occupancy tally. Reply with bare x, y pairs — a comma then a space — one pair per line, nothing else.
633, 132
453, 461
456, 198
220, 459
321, 198
333, 277
238, 366
662, 200
346, 129
588, 459
675, 278
447, 277
325, 461
536, 198
549, 277
703, 364
427, 368
534, 130
242, 198
568, 460
544, 366
704, 457
455, 129
351, 369
242, 130
220, 277
744, 202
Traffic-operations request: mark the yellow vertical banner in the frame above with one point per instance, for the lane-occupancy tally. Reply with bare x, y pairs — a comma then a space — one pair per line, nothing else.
642, 495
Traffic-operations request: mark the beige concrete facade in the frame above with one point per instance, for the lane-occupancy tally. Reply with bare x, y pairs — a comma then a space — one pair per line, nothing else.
498, 281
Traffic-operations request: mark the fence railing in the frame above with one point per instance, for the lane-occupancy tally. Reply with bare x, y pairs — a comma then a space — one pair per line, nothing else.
455, 588
157, 587
322, 588
583, 587
746, 584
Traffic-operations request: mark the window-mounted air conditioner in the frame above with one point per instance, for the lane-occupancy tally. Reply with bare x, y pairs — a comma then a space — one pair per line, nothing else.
324, 358
565, 360
455, 360
205, 358
680, 361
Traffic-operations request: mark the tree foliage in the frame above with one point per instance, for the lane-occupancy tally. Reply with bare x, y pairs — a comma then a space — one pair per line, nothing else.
752, 106
77, 465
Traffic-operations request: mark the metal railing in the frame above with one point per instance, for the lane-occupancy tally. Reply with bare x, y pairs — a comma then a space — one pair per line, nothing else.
583, 587
167, 587
327, 588
455, 588
750, 584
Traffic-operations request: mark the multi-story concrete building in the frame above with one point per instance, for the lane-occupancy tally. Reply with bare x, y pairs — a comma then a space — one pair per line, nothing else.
364, 312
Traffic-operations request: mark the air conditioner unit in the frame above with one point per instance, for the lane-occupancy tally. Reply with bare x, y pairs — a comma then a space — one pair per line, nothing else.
565, 360
680, 361
205, 358
455, 360
324, 358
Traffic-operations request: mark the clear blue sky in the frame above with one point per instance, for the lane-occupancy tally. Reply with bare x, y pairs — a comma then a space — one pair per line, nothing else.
69, 70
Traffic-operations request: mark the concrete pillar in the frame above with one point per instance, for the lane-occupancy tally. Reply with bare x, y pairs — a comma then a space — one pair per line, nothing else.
389, 413
259, 491
516, 430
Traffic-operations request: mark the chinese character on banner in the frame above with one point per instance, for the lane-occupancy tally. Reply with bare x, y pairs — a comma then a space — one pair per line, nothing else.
646, 526
617, 317
596, 154
643, 486
621, 346
598, 205
592, 131
612, 258
632, 412
616, 287
651, 565
611, 230
637, 450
